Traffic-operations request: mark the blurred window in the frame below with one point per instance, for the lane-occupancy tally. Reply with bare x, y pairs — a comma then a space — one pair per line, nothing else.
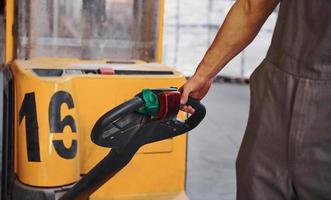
88, 29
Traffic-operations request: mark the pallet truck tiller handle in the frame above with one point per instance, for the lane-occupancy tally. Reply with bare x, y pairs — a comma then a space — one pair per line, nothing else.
127, 127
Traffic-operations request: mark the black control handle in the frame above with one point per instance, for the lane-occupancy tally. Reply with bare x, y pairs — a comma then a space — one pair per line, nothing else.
120, 156
195, 119
104, 124
175, 127
124, 108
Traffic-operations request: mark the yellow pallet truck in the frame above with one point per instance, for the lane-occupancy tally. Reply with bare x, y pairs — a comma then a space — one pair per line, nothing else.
67, 64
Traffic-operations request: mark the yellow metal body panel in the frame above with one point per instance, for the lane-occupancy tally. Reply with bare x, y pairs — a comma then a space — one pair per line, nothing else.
157, 169
9, 46
161, 29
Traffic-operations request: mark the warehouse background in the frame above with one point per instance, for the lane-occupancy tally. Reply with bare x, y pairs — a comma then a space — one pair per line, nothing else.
190, 27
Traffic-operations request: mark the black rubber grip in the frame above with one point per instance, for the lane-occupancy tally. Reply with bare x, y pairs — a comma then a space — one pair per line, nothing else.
108, 118
173, 128
195, 119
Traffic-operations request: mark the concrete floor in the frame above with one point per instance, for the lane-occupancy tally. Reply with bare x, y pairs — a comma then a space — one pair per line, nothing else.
213, 146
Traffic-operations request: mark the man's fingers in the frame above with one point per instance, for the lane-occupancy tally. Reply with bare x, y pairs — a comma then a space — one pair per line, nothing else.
184, 96
187, 109
184, 108
191, 110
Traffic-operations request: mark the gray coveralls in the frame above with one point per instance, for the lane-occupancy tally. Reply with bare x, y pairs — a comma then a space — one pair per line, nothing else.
286, 150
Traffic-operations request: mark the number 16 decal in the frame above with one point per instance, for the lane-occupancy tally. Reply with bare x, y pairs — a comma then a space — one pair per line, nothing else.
28, 111
56, 125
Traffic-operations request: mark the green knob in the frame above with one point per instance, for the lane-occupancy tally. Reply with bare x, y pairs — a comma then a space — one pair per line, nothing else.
151, 103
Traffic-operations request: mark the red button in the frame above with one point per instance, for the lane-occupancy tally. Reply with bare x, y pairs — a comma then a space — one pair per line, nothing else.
106, 71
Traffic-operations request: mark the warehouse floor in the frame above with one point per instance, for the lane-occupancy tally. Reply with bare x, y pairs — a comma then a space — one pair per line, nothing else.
213, 146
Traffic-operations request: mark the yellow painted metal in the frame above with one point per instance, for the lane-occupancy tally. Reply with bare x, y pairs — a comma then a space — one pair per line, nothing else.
157, 170
161, 29
9, 47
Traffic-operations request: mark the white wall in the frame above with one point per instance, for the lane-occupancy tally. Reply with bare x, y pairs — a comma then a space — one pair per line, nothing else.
190, 27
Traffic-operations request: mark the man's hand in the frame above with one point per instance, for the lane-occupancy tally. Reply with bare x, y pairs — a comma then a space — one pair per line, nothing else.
196, 87
241, 25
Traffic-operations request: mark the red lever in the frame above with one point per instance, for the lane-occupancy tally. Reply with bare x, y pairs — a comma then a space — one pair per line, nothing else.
169, 103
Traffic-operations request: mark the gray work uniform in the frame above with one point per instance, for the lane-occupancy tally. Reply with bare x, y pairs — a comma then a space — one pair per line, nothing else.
286, 150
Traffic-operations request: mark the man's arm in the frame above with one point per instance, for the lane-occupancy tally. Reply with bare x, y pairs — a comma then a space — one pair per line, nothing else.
240, 27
